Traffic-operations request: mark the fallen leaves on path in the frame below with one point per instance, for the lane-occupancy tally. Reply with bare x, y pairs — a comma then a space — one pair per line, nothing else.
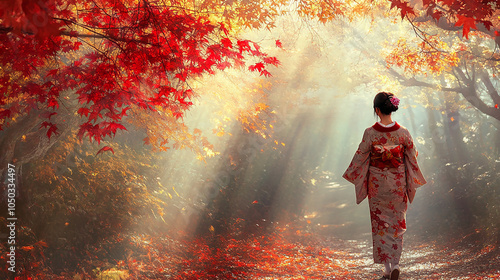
305, 257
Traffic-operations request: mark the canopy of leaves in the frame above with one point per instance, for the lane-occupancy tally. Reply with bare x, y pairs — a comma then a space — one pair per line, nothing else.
465, 15
102, 57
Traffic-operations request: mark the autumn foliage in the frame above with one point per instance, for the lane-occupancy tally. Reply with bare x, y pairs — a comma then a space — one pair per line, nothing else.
103, 58
424, 58
466, 15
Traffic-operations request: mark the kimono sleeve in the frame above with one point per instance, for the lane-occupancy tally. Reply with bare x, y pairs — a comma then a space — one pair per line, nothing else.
357, 172
414, 177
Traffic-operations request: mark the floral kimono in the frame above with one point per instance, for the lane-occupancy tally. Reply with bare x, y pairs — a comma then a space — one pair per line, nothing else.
385, 169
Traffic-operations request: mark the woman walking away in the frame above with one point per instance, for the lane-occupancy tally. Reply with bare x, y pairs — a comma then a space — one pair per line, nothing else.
385, 169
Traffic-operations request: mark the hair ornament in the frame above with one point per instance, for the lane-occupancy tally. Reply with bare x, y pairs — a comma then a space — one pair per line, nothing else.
395, 101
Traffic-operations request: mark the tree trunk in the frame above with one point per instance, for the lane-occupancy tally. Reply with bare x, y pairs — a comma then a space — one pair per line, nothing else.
25, 141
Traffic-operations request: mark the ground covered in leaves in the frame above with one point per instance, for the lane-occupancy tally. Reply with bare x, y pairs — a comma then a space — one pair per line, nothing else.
278, 256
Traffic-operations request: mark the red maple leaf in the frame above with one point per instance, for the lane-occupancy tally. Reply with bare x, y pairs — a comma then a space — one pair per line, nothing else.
405, 8
244, 45
177, 115
279, 44
487, 24
265, 73
53, 103
52, 128
226, 43
87, 129
110, 128
83, 111
259, 66
467, 23
105, 149
272, 60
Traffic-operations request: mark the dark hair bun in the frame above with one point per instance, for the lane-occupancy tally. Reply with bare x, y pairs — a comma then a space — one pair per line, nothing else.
383, 102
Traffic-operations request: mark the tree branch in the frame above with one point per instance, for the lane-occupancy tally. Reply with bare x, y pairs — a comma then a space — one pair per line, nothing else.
490, 87
445, 24
470, 94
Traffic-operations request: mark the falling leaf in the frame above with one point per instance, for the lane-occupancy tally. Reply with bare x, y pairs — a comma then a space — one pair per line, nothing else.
105, 149
279, 44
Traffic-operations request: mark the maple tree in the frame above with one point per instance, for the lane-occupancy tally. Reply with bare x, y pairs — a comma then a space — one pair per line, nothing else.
106, 60
467, 65
469, 70
114, 56
453, 15
468, 61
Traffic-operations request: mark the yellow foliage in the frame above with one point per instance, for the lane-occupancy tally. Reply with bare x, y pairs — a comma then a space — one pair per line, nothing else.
328, 10
432, 55
165, 131
234, 14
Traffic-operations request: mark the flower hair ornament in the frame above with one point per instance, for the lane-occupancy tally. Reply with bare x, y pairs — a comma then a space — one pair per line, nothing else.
394, 100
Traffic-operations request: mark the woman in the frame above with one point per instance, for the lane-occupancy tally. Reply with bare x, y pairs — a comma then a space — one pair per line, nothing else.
385, 169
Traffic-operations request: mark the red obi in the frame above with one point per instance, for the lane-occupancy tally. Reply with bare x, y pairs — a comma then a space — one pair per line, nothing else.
386, 156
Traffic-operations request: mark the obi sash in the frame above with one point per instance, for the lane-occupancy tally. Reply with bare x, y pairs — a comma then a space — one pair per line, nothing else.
386, 156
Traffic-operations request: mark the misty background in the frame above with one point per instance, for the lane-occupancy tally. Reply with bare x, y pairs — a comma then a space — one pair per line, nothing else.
321, 102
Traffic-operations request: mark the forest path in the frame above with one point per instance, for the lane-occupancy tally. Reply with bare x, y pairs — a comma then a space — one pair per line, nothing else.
294, 254
352, 259
430, 261
346, 252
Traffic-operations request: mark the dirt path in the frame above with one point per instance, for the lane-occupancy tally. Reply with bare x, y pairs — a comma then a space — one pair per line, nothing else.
419, 261
352, 259
308, 256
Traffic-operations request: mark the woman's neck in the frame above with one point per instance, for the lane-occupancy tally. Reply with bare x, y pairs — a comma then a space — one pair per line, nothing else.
385, 119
